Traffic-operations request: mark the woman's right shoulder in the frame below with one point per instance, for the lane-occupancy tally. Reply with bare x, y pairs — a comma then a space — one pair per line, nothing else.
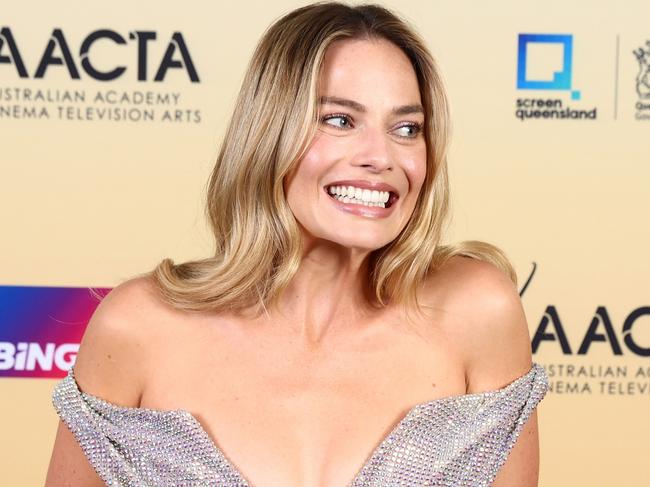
112, 363
116, 352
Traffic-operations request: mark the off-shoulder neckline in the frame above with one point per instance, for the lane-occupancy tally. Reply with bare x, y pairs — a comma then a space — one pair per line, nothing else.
534, 369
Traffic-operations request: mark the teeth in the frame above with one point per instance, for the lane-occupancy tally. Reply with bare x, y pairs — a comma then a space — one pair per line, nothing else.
358, 195
345, 199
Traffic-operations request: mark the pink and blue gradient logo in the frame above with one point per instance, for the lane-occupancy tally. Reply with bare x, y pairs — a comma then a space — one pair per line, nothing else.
41, 328
558, 77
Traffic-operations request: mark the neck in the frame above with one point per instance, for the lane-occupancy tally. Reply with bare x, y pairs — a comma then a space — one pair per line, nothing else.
328, 296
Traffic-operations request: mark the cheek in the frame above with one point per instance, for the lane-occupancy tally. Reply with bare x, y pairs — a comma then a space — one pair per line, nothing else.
415, 166
304, 181
306, 177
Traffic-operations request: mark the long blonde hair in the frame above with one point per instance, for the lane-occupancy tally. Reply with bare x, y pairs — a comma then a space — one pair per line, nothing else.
257, 239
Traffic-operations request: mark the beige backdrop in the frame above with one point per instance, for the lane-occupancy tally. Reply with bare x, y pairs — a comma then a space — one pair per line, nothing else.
90, 203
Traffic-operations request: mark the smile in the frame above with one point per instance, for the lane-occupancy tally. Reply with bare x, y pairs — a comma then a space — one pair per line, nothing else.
362, 201
359, 196
362, 196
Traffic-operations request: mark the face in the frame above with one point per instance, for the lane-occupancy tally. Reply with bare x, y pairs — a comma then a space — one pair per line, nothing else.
369, 148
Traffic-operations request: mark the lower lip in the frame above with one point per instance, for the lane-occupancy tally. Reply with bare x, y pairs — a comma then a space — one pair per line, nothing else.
362, 210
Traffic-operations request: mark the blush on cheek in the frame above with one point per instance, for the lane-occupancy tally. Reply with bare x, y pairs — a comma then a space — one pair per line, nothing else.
417, 182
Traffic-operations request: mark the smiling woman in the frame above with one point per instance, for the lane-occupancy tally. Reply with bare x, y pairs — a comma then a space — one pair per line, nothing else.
292, 356
370, 89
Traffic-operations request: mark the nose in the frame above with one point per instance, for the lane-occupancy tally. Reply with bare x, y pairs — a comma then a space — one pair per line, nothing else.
373, 150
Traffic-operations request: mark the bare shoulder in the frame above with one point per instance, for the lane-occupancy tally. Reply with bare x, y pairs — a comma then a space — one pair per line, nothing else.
492, 328
489, 320
117, 345
111, 363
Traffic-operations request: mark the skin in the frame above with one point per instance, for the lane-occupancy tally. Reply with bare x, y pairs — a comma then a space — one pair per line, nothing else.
303, 395
375, 146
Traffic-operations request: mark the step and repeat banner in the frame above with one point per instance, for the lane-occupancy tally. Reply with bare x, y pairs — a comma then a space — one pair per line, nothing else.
111, 117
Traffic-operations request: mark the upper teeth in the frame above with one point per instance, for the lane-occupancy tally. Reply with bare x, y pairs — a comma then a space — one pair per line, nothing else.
370, 196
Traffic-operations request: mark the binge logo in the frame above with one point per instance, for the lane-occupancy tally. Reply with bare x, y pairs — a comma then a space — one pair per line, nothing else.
27, 356
41, 328
545, 62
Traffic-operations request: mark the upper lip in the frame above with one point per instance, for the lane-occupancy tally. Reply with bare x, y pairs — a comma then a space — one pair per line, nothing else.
364, 184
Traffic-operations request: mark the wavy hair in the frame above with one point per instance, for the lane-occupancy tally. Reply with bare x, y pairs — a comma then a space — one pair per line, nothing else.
258, 244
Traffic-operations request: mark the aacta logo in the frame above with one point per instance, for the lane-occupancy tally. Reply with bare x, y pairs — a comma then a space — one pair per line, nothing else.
550, 329
58, 52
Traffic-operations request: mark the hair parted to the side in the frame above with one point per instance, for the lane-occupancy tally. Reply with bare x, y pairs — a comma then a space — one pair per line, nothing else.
258, 244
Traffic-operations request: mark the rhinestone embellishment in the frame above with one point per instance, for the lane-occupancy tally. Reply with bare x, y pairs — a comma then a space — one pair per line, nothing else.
452, 441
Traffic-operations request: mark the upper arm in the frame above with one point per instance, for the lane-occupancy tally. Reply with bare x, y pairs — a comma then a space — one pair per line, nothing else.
110, 364
498, 350
68, 464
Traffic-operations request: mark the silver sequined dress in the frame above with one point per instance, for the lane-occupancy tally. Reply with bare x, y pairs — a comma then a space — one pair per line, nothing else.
452, 441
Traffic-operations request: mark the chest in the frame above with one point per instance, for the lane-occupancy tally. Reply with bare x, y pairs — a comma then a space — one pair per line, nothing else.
286, 415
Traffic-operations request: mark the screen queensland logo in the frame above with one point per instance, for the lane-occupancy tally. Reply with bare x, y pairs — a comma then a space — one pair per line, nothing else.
545, 67
103, 75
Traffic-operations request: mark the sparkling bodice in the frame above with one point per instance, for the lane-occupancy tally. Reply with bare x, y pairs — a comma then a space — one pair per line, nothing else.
451, 441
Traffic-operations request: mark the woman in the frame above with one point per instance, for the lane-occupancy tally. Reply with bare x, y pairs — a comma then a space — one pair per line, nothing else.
331, 340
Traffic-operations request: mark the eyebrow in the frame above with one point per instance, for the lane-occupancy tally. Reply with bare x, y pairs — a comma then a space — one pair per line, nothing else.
402, 110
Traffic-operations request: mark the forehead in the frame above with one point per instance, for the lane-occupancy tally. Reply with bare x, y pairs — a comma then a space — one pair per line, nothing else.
368, 70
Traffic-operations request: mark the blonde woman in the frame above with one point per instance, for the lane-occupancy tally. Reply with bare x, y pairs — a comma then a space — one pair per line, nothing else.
331, 339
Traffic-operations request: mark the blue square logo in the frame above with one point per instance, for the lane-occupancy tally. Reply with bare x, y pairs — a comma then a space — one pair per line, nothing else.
555, 80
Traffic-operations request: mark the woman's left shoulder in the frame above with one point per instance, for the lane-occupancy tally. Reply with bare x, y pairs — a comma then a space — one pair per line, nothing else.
490, 322
472, 287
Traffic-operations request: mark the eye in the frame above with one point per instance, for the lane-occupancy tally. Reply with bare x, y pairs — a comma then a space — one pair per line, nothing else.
414, 128
342, 121
343, 118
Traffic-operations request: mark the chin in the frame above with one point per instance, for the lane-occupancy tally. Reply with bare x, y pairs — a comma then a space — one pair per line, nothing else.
368, 244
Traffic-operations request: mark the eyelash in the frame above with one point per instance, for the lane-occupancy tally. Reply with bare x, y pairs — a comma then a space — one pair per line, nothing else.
414, 125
